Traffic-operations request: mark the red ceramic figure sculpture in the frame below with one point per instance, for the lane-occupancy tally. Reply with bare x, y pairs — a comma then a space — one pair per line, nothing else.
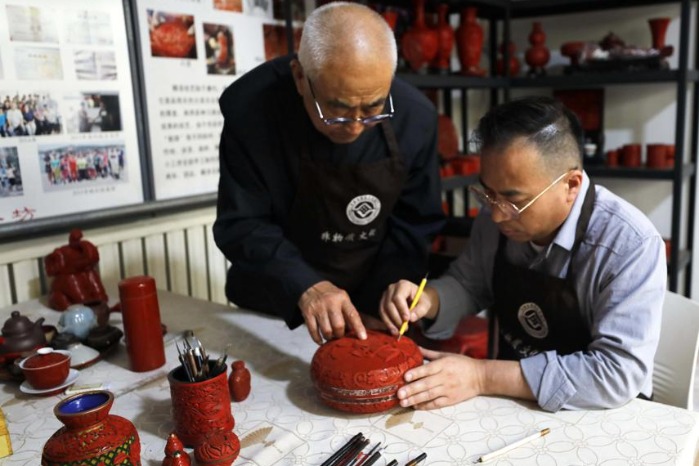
90, 434
537, 56
469, 43
363, 376
419, 43
445, 39
74, 271
239, 381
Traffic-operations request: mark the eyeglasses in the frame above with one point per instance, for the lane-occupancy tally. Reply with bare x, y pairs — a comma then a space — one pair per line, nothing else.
511, 211
346, 121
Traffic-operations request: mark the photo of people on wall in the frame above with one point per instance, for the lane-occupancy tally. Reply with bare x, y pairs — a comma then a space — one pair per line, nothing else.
28, 114
70, 166
220, 53
10, 173
93, 112
171, 35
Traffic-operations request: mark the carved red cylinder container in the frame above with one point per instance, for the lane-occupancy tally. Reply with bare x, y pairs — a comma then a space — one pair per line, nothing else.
142, 328
199, 408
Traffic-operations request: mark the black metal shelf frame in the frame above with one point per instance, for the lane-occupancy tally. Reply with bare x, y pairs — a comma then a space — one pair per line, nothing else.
682, 77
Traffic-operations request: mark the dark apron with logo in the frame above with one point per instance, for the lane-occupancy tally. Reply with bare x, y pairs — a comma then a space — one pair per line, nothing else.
339, 215
537, 312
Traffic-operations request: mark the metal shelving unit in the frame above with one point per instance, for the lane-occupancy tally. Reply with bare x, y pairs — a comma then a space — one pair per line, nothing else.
682, 176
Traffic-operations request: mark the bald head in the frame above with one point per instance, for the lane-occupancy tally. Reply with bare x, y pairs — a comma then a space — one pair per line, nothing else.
349, 35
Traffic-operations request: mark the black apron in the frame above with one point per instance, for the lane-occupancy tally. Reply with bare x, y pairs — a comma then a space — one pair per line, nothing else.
536, 312
339, 215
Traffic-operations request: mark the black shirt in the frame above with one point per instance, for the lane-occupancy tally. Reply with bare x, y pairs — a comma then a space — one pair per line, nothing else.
259, 166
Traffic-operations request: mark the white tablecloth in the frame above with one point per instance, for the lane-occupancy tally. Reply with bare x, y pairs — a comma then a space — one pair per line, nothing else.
283, 423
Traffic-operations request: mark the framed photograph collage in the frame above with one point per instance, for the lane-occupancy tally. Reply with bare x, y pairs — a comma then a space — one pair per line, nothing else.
112, 106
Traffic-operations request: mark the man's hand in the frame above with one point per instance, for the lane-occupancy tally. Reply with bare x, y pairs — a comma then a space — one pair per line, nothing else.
451, 378
328, 311
395, 305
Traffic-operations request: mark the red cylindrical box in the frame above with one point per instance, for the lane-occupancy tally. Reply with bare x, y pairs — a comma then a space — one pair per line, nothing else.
142, 329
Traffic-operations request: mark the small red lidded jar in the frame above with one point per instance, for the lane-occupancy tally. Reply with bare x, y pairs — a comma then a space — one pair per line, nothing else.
363, 376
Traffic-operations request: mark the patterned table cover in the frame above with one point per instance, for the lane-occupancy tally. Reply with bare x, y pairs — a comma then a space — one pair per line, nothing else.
283, 423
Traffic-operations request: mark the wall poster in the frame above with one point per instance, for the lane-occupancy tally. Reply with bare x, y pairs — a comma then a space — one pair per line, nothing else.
68, 136
191, 51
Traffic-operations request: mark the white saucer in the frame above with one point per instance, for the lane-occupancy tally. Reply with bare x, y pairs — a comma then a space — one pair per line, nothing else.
72, 377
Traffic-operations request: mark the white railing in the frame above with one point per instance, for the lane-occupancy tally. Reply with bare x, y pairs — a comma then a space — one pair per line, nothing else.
177, 250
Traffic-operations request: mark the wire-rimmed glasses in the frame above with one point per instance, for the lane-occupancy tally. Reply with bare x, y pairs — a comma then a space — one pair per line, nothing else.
511, 211
370, 120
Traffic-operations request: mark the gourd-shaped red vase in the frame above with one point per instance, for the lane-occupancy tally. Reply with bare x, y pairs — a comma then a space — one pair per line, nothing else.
514, 65
658, 29
537, 56
419, 43
239, 381
469, 42
90, 434
445, 39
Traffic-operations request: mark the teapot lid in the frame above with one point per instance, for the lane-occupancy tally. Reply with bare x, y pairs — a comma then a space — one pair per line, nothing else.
18, 324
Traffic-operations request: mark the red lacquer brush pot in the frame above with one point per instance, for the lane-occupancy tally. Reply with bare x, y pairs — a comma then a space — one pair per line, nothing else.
363, 376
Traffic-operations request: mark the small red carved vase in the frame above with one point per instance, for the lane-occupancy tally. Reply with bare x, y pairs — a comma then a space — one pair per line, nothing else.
419, 43
658, 29
363, 376
469, 42
514, 64
537, 56
90, 434
199, 408
239, 381
445, 39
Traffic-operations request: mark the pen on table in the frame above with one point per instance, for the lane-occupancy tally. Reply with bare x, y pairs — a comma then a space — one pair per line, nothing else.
352, 453
416, 460
393, 463
372, 459
361, 461
404, 327
512, 446
342, 449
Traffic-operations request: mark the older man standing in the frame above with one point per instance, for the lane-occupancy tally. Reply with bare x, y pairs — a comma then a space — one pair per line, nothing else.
329, 186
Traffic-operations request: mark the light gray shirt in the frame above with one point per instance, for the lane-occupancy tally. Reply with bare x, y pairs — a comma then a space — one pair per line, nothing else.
621, 277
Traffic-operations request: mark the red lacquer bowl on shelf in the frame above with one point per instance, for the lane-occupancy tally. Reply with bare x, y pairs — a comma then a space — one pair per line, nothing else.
363, 376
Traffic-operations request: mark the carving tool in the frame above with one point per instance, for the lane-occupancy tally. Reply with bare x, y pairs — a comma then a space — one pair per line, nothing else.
418, 459
404, 327
339, 453
512, 446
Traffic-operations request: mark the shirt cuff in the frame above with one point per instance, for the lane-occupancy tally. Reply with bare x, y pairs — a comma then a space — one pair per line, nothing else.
452, 307
547, 380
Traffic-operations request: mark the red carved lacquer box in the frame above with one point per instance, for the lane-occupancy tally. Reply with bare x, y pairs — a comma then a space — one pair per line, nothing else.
363, 376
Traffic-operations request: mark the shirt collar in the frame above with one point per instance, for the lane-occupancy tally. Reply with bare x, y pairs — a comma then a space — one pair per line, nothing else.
565, 237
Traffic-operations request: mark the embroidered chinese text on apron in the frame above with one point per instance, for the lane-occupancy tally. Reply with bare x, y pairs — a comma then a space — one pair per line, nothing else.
536, 312
339, 215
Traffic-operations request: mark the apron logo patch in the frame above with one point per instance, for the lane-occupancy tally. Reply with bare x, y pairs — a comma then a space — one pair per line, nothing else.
532, 320
363, 209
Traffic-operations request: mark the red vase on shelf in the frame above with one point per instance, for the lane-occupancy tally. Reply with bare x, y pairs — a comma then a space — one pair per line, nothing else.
537, 56
469, 43
658, 29
445, 40
419, 43
514, 64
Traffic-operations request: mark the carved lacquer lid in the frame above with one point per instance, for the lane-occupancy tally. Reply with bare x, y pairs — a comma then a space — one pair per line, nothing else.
363, 376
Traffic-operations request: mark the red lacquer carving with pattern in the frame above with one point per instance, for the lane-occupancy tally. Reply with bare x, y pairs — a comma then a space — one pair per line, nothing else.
363, 376
199, 408
90, 434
